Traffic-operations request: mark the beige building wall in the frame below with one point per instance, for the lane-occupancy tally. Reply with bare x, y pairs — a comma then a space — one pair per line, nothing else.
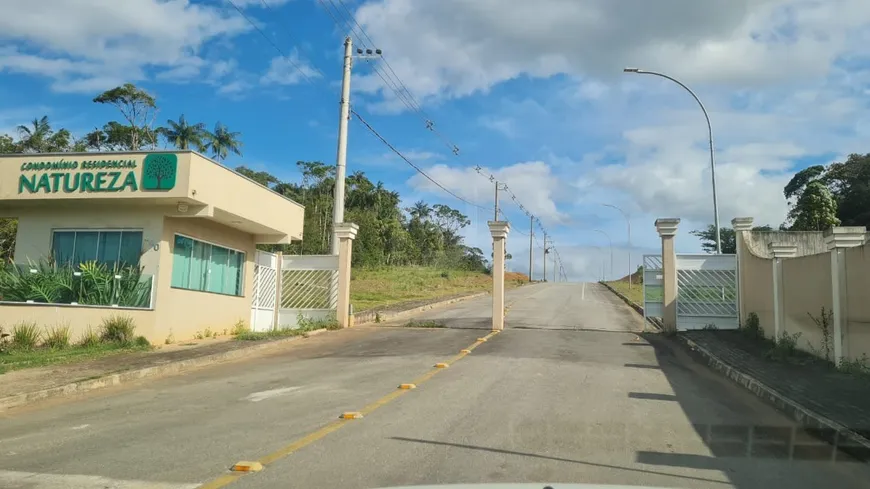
36, 225
758, 293
806, 289
858, 294
184, 312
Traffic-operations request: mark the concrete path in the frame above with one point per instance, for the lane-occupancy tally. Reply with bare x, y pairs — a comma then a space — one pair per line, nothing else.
551, 404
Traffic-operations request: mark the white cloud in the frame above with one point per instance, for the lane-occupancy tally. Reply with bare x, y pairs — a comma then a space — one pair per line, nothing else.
89, 45
454, 47
288, 71
532, 182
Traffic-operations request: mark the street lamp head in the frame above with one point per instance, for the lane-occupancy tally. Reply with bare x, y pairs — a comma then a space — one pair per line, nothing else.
631, 70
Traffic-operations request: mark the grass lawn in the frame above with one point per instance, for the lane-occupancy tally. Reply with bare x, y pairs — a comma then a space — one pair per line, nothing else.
371, 288
635, 294
41, 357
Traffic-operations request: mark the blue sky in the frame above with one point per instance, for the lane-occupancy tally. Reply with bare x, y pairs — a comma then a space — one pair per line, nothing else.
533, 93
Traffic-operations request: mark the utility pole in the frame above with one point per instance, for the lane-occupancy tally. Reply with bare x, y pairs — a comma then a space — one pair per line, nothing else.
531, 243
554, 269
545, 256
341, 157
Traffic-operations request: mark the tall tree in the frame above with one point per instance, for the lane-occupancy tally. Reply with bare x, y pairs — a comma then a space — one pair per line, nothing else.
727, 235
8, 231
222, 141
34, 137
138, 107
8, 145
814, 210
184, 135
849, 182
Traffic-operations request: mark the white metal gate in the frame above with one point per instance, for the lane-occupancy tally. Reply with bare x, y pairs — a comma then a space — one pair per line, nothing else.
309, 288
653, 304
707, 292
265, 291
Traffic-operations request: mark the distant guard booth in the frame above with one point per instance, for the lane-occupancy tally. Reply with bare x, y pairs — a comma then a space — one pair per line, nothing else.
167, 238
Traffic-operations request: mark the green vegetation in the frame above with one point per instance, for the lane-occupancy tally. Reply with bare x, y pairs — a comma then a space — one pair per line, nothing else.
28, 346
304, 326
384, 286
89, 283
635, 294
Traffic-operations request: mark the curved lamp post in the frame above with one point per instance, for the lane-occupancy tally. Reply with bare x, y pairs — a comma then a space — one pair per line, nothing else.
710, 132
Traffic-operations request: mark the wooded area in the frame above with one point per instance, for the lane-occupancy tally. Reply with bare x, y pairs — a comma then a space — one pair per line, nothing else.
425, 235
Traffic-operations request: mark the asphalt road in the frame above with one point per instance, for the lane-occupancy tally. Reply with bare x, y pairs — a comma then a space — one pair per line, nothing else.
554, 404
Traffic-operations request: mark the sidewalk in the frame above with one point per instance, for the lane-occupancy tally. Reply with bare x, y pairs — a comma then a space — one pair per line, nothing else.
814, 394
21, 387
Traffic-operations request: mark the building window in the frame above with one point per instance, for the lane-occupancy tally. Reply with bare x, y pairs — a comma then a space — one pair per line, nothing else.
205, 267
113, 248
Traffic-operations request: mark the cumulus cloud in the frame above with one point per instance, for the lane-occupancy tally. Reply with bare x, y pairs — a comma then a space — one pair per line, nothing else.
91, 45
454, 48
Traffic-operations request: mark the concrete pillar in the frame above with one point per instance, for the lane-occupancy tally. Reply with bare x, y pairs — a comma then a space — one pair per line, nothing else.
667, 228
740, 226
499, 231
838, 239
779, 252
345, 232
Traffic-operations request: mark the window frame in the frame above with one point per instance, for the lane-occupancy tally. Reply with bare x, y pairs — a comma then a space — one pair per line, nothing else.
98, 231
242, 266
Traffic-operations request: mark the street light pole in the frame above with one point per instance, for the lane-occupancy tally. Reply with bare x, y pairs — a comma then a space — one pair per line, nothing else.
611, 248
710, 134
628, 221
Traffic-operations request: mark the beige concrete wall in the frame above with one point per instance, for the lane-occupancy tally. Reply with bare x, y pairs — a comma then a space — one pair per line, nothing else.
806, 289
758, 293
806, 242
78, 318
36, 224
858, 295
225, 189
184, 312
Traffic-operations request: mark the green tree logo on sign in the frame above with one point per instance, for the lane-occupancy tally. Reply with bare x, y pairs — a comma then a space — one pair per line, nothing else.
159, 171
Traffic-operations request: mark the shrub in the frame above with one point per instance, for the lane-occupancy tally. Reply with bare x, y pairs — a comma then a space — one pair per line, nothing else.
785, 346
859, 365
57, 337
207, 333
752, 326
445, 275
89, 338
142, 341
25, 335
117, 329
239, 328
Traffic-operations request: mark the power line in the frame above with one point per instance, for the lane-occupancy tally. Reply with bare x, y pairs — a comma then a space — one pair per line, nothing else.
419, 170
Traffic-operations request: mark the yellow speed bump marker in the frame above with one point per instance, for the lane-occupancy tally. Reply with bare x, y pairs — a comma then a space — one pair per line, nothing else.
407, 386
481, 339
441, 365
465, 351
247, 467
351, 415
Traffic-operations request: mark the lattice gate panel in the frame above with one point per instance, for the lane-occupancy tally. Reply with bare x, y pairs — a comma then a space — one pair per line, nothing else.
707, 292
307, 289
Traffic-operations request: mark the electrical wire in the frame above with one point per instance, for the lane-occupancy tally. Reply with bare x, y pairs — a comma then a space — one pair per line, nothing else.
403, 157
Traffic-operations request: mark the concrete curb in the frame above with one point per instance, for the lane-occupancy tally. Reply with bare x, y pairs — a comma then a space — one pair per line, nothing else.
154, 372
653, 321
804, 416
368, 317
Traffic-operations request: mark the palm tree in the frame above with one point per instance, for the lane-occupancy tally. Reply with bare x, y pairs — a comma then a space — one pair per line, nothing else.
34, 138
222, 142
183, 135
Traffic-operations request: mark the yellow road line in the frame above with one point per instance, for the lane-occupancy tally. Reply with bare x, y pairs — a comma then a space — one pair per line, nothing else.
227, 479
